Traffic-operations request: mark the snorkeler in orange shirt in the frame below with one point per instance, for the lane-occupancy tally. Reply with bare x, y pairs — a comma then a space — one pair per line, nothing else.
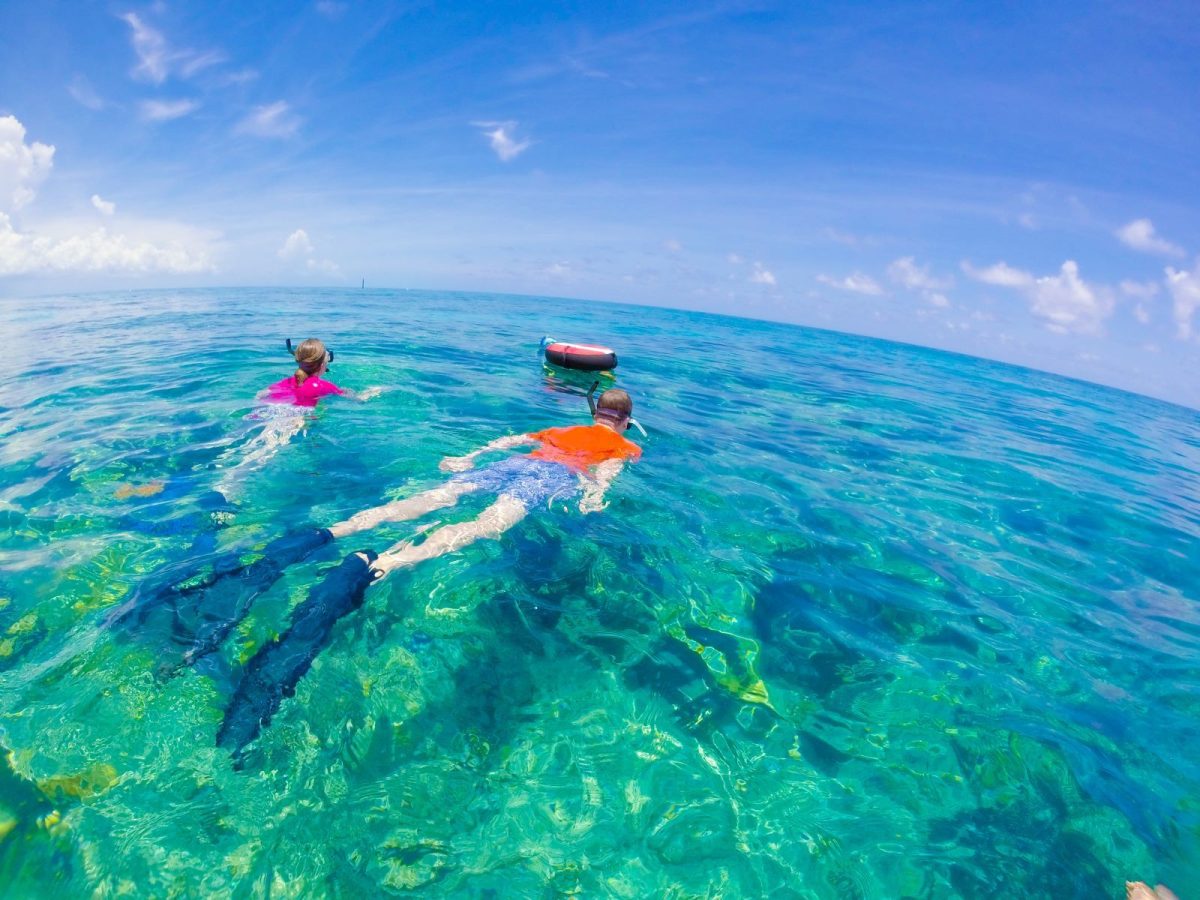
580, 460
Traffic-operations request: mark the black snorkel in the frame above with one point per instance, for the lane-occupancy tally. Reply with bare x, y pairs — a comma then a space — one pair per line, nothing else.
288, 343
591, 397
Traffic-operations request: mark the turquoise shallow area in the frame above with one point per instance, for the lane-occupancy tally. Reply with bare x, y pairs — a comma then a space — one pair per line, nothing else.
866, 621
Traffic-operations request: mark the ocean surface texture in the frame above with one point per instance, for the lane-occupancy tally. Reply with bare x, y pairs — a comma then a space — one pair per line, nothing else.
867, 621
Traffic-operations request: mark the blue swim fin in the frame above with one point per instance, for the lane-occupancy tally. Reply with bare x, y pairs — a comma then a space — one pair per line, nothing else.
274, 671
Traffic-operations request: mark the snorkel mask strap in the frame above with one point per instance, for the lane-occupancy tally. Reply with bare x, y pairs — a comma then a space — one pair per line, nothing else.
287, 342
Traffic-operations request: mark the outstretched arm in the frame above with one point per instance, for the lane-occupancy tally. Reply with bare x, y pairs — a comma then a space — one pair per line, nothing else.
462, 463
595, 487
364, 395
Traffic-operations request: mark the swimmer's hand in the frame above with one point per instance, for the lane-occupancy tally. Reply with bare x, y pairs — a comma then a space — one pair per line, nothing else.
456, 463
370, 392
1139, 890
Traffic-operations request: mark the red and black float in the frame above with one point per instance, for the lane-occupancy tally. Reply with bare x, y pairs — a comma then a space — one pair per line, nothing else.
588, 357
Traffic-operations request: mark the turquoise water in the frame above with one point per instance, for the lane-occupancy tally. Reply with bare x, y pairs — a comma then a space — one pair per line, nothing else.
866, 620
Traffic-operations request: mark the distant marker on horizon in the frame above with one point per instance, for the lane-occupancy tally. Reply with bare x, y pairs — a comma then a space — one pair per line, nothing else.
364, 284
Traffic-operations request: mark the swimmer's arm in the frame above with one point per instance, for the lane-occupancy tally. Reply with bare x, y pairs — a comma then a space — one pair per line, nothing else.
462, 463
595, 487
364, 395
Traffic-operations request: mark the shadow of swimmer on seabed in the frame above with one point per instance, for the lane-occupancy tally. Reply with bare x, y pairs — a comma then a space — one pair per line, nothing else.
576, 463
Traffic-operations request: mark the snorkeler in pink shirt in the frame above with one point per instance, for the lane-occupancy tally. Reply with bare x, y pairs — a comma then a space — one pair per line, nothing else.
308, 384
286, 415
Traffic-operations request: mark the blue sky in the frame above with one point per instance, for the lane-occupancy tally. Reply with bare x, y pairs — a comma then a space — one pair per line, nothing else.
1016, 181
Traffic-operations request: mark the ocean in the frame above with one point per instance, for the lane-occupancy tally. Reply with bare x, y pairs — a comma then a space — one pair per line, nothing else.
866, 620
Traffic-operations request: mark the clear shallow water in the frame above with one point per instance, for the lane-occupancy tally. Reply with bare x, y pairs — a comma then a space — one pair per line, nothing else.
866, 621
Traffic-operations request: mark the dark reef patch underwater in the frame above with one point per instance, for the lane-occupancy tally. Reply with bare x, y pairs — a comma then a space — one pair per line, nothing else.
866, 620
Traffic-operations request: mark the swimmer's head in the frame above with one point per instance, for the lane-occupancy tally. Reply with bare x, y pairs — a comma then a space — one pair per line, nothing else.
312, 359
613, 408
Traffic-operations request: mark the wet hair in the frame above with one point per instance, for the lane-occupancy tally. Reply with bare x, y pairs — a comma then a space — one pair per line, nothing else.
616, 403
310, 356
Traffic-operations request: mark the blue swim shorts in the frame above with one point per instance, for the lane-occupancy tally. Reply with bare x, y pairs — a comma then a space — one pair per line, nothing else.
532, 481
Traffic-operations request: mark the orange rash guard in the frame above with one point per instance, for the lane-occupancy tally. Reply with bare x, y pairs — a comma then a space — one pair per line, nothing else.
582, 446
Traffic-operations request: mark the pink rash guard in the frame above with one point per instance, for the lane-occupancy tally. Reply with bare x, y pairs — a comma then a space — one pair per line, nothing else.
306, 394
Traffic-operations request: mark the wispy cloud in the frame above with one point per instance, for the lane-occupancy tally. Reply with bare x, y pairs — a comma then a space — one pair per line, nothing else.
910, 276
156, 58
848, 239
672, 246
1065, 302
85, 95
151, 49
906, 273
275, 120
105, 207
855, 283
1139, 235
191, 64
503, 140
166, 110
761, 275
1184, 288
23, 166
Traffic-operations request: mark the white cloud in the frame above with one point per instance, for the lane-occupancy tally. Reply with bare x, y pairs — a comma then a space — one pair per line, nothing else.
847, 239
734, 259
1139, 234
1065, 301
299, 247
156, 57
558, 270
151, 49
198, 62
85, 95
166, 110
107, 207
1027, 221
906, 273
98, 251
22, 166
761, 275
1141, 313
297, 244
1184, 288
855, 283
275, 120
1000, 274
504, 143
672, 246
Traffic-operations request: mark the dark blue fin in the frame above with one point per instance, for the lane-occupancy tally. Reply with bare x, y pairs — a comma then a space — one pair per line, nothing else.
277, 667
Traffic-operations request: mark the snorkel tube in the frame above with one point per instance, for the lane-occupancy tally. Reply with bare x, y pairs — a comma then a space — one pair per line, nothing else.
288, 343
610, 414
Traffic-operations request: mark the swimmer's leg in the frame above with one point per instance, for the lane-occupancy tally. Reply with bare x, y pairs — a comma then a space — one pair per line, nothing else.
502, 515
403, 510
274, 671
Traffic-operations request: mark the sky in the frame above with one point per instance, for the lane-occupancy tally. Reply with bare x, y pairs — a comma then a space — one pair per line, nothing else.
1009, 180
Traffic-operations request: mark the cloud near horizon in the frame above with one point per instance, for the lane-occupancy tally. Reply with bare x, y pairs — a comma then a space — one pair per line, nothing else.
1184, 288
23, 167
1065, 302
98, 251
854, 283
105, 207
